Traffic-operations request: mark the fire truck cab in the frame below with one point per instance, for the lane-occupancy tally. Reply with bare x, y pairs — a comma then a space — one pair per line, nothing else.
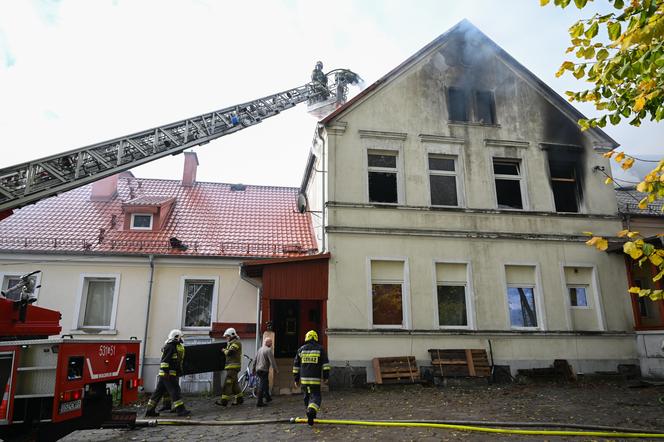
51, 387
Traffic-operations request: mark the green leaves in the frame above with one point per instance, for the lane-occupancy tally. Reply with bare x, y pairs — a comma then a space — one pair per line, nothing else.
592, 30
613, 30
619, 70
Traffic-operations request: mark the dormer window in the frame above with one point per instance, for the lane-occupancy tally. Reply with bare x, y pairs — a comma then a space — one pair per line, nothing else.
141, 221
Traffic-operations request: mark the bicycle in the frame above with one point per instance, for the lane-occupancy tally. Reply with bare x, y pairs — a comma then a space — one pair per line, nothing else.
249, 380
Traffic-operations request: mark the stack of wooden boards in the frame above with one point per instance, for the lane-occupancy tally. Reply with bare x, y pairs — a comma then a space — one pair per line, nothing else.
396, 370
460, 363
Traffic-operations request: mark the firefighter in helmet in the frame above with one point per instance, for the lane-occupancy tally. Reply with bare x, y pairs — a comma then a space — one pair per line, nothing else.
319, 81
170, 370
231, 391
310, 368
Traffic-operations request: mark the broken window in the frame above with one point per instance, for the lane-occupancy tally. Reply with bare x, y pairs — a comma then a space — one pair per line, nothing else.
507, 174
457, 104
443, 181
485, 110
383, 177
198, 300
565, 186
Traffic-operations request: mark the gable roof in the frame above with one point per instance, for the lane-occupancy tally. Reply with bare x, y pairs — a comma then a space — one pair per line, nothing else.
464, 26
210, 218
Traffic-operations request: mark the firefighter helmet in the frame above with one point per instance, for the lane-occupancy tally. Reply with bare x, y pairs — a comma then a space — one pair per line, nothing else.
311, 334
175, 334
319, 65
230, 332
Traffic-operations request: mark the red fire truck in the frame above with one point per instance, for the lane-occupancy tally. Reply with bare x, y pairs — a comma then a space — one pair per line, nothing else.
51, 387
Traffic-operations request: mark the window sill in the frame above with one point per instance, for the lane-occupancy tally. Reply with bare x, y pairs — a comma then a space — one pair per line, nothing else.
93, 331
471, 123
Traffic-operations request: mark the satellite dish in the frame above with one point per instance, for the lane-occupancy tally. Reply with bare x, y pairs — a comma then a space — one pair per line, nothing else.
302, 202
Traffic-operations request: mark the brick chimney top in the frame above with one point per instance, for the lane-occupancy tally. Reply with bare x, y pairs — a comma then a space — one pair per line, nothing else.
190, 166
105, 189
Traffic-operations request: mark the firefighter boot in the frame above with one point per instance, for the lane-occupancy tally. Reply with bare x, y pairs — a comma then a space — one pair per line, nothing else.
238, 401
311, 415
221, 403
181, 411
166, 406
150, 412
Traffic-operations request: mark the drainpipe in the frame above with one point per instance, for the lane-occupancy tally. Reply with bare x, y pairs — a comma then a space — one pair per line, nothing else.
147, 313
323, 178
259, 293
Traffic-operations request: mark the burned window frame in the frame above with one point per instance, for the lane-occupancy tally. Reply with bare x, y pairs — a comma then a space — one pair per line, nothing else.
492, 106
520, 178
470, 99
397, 171
436, 172
575, 180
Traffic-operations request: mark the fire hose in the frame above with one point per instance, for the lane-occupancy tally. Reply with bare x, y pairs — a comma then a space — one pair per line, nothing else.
474, 426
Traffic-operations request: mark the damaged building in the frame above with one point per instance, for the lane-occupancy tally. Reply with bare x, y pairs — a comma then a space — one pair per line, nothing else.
455, 192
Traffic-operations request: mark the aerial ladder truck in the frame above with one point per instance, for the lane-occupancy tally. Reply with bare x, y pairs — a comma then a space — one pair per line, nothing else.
52, 386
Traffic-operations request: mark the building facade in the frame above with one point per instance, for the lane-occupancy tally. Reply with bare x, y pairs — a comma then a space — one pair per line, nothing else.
454, 196
128, 257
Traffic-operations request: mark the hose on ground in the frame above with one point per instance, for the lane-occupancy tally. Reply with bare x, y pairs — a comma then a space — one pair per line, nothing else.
298, 420
477, 426
530, 424
211, 423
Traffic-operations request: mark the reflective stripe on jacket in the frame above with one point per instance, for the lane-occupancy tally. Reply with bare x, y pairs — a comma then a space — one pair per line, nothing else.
171, 361
311, 364
233, 352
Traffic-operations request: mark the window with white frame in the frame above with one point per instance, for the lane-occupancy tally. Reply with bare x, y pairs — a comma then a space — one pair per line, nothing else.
387, 293
508, 177
383, 176
198, 303
521, 296
452, 295
443, 180
578, 296
141, 221
11, 280
98, 300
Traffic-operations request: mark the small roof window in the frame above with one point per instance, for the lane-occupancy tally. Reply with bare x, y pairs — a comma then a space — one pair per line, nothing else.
141, 221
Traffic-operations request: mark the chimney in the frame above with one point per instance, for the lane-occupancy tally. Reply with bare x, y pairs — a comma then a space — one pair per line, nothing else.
105, 190
189, 172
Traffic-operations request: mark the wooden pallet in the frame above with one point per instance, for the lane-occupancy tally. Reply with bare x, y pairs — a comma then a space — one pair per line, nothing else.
460, 363
397, 369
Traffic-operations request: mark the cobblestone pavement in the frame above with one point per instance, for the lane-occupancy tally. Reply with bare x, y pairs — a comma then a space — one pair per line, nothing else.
587, 403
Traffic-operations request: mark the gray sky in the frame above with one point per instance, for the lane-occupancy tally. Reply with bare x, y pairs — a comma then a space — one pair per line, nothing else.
76, 72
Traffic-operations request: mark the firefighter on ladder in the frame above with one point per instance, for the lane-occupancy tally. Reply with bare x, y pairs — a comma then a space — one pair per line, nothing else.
233, 351
170, 369
310, 367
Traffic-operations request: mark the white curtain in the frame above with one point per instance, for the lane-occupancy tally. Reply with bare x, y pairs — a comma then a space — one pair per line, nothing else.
99, 302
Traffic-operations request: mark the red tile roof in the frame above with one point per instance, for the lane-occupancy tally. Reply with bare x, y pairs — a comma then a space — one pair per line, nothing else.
148, 200
210, 218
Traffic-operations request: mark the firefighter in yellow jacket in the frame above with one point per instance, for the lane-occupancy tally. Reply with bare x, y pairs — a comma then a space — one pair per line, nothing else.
310, 368
170, 369
233, 352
